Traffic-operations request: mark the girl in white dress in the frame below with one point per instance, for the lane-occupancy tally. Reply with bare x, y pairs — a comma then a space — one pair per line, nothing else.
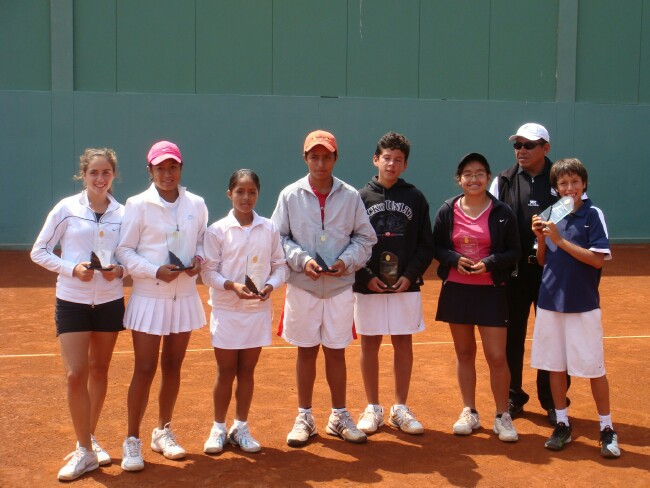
162, 242
244, 264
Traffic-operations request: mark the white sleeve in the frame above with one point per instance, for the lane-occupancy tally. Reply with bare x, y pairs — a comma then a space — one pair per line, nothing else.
53, 230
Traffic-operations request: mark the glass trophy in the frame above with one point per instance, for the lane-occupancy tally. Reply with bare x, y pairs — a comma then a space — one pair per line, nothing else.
321, 256
254, 274
388, 264
558, 210
176, 248
100, 257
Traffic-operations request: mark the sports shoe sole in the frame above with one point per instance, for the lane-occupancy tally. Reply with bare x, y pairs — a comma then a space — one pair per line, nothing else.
554, 447
471, 430
88, 469
360, 440
370, 431
298, 442
396, 425
132, 469
157, 449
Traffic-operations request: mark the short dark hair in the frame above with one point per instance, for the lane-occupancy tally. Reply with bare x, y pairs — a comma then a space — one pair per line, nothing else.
243, 173
393, 140
568, 166
472, 158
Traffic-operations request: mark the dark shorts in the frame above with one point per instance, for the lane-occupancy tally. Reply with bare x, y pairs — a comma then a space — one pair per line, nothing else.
79, 317
473, 305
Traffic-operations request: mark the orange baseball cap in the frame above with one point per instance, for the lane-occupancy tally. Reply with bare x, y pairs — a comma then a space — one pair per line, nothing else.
320, 138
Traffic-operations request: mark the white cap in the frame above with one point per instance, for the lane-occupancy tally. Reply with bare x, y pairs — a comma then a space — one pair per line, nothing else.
532, 132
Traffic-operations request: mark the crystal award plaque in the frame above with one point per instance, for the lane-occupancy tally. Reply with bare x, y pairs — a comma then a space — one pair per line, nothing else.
388, 263
557, 211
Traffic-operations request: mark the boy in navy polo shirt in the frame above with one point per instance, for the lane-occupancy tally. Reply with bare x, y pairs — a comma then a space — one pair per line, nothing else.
568, 332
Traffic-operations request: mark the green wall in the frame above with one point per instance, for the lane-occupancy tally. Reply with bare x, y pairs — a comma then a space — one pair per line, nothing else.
238, 83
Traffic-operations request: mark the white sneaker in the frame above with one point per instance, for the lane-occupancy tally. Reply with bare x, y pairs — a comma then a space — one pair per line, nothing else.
503, 426
216, 441
80, 461
102, 456
467, 422
242, 437
132, 455
371, 419
303, 428
404, 420
342, 425
164, 441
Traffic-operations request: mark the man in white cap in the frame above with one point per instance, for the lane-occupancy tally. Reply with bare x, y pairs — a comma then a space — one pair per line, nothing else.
527, 189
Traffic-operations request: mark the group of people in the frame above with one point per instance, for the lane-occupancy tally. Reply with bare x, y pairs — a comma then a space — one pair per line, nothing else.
353, 262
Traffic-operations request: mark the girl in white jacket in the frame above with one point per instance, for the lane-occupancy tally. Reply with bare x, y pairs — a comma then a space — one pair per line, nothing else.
162, 246
244, 264
89, 302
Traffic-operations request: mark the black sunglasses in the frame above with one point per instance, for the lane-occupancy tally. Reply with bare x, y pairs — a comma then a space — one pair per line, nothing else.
528, 145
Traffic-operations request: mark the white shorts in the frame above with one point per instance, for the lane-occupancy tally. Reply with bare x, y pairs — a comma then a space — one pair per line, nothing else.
571, 342
309, 321
240, 330
388, 313
164, 316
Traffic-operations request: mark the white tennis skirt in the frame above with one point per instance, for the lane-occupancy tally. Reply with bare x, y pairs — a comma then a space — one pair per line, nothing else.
164, 316
388, 313
231, 329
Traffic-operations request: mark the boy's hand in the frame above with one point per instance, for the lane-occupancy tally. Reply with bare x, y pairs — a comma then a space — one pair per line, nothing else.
337, 269
312, 269
378, 286
402, 284
538, 227
549, 229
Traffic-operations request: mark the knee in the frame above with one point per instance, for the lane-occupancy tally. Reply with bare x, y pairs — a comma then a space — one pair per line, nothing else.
497, 360
466, 355
227, 373
76, 379
145, 370
171, 364
98, 369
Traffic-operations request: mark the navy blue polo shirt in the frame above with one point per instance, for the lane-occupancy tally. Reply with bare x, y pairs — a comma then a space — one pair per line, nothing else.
568, 285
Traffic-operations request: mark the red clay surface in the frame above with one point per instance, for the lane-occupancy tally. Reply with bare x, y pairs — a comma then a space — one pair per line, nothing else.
37, 431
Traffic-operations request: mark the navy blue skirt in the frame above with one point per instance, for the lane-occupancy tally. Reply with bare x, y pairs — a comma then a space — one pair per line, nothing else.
484, 305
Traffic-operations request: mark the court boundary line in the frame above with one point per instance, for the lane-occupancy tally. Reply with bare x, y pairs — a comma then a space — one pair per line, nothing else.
427, 343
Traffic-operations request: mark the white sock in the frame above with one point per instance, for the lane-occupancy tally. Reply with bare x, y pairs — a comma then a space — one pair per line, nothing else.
221, 426
304, 410
339, 410
562, 416
606, 421
398, 406
238, 424
375, 408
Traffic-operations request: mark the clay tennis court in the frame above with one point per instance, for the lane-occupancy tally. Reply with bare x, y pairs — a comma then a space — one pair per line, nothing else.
37, 432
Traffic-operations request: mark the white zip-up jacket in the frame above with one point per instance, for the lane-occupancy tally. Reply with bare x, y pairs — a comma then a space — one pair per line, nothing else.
150, 230
73, 224
232, 251
344, 233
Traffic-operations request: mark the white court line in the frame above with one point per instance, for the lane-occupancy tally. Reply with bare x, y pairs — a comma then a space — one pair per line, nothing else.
49, 355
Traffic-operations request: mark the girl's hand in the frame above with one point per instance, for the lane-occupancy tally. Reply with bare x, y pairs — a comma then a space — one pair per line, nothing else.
195, 266
378, 286
538, 227
465, 266
167, 273
82, 272
266, 292
240, 290
478, 268
113, 271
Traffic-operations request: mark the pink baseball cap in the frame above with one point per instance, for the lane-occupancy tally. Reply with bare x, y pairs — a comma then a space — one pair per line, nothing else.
320, 138
162, 151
